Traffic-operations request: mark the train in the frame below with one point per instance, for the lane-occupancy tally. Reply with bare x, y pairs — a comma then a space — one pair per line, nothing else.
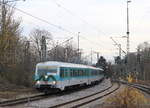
54, 75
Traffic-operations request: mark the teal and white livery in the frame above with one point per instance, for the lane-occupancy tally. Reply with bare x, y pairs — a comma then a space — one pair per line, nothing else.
59, 75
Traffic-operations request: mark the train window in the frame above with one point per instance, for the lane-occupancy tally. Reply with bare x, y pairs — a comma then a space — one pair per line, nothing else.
44, 70
74, 73
86, 73
99, 72
71, 72
82, 74
92, 73
52, 70
62, 73
66, 73
79, 71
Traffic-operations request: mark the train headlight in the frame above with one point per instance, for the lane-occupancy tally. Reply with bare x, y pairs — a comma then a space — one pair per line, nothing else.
38, 82
54, 82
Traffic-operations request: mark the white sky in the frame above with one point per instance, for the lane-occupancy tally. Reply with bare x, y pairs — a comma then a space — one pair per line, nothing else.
97, 20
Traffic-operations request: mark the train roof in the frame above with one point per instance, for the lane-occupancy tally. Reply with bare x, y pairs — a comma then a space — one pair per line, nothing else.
64, 64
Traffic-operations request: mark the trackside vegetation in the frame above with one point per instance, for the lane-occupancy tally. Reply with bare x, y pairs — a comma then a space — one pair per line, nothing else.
128, 98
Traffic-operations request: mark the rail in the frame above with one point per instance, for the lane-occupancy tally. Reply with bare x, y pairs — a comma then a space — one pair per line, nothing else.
76, 102
22, 100
141, 87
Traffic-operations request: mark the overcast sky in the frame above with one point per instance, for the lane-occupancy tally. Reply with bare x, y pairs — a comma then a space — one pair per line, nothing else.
96, 20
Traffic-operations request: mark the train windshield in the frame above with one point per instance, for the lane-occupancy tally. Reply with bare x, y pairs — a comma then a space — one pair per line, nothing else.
44, 70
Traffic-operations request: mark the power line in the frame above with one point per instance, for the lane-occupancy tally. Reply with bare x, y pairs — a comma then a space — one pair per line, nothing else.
80, 18
42, 20
45, 21
56, 26
83, 20
90, 41
119, 46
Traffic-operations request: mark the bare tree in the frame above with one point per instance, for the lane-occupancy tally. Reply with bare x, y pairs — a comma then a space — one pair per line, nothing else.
10, 31
36, 40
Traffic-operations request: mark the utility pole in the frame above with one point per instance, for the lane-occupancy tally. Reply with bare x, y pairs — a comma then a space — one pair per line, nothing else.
97, 55
43, 49
119, 50
66, 50
78, 41
55, 51
128, 31
128, 38
91, 56
78, 47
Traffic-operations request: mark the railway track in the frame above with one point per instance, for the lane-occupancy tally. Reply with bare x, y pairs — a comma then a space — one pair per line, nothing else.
80, 102
141, 87
39, 96
22, 100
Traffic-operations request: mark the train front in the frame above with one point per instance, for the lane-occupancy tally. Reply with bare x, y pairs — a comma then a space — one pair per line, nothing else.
45, 77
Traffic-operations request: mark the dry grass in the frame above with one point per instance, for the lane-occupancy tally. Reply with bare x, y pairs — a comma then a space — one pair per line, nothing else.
15, 93
128, 98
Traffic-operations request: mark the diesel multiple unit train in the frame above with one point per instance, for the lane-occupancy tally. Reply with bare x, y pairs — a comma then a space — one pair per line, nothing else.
60, 75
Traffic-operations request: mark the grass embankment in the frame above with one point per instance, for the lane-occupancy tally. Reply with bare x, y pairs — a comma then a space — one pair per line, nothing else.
127, 98
9, 91
16, 93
